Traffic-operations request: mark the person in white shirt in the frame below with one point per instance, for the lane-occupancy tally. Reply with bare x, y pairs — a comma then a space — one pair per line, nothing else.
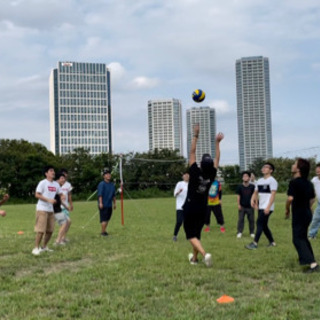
66, 190
264, 194
44, 226
180, 193
315, 224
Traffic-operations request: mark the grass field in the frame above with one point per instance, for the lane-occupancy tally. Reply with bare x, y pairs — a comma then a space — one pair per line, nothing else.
138, 272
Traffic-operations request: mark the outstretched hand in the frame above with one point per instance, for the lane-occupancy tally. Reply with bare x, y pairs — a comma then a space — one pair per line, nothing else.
219, 136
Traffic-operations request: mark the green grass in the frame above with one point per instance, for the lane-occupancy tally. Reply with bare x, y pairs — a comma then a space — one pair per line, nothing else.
139, 273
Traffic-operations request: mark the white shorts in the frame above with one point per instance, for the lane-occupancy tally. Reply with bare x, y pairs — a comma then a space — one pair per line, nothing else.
60, 218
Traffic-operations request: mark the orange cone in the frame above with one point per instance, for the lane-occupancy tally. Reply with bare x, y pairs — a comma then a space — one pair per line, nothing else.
20, 232
225, 299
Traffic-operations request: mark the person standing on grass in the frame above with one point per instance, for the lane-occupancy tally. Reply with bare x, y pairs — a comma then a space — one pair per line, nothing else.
214, 205
5, 198
315, 224
265, 193
66, 188
106, 197
45, 193
195, 205
244, 194
59, 209
301, 197
180, 193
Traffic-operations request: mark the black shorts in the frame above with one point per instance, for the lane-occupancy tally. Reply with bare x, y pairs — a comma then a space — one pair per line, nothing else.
194, 218
105, 214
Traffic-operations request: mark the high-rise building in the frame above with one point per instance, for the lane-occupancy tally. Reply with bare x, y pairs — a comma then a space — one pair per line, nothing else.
206, 118
253, 110
80, 108
165, 124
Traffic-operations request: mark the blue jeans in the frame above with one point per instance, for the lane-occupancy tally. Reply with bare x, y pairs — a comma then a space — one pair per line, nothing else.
315, 224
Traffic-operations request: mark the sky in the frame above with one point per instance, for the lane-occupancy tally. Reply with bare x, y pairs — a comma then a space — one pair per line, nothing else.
164, 49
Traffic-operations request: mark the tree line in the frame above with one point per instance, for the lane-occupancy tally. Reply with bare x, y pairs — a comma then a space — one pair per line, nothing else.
145, 174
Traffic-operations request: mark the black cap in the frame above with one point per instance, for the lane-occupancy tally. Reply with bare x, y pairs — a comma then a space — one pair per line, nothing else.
106, 172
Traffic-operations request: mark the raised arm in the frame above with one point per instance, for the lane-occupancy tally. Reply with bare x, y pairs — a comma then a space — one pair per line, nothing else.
192, 156
219, 137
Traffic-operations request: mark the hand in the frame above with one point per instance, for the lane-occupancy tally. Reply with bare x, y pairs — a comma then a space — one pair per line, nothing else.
219, 136
287, 214
100, 205
239, 207
52, 201
266, 211
196, 129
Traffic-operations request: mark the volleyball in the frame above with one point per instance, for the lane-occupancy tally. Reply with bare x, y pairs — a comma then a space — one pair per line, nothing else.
198, 95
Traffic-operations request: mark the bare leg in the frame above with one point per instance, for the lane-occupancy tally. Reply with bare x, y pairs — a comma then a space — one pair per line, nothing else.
39, 236
67, 227
62, 232
47, 237
104, 225
197, 248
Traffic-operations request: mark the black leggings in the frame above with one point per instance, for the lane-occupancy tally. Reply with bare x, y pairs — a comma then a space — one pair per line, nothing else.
262, 226
179, 222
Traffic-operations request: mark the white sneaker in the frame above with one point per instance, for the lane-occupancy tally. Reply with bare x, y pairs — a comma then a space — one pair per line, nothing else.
46, 249
190, 256
36, 251
252, 235
208, 260
239, 235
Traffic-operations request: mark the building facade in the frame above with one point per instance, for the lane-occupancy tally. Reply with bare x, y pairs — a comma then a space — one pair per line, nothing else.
253, 110
165, 125
206, 118
80, 108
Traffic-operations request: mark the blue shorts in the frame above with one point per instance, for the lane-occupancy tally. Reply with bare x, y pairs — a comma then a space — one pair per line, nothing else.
105, 214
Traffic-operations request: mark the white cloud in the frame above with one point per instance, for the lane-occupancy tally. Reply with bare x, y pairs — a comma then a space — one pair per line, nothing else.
145, 83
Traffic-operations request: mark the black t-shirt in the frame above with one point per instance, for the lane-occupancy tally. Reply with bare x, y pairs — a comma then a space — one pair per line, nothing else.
302, 191
199, 186
245, 194
57, 205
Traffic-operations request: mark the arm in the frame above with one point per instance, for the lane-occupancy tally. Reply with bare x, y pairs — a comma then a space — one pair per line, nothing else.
114, 203
312, 201
219, 137
4, 199
254, 200
70, 201
192, 156
273, 195
100, 202
238, 201
41, 197
288, 204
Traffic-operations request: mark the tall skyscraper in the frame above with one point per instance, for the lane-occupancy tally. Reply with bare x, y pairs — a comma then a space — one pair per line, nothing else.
254, 110
165, 124
80, 108
206, 118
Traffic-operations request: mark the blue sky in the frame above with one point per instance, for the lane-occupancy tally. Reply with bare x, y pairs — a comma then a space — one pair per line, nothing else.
163, 49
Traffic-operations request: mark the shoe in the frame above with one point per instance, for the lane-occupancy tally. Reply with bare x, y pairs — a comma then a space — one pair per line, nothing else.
174, 238
190, 258
36, 251
252, 246
311, 237
239, 235
252, 235
223, 229
314, 269
65, 240
104, 234
62, 243
207, 229
46, 249
208, 260
271, 244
